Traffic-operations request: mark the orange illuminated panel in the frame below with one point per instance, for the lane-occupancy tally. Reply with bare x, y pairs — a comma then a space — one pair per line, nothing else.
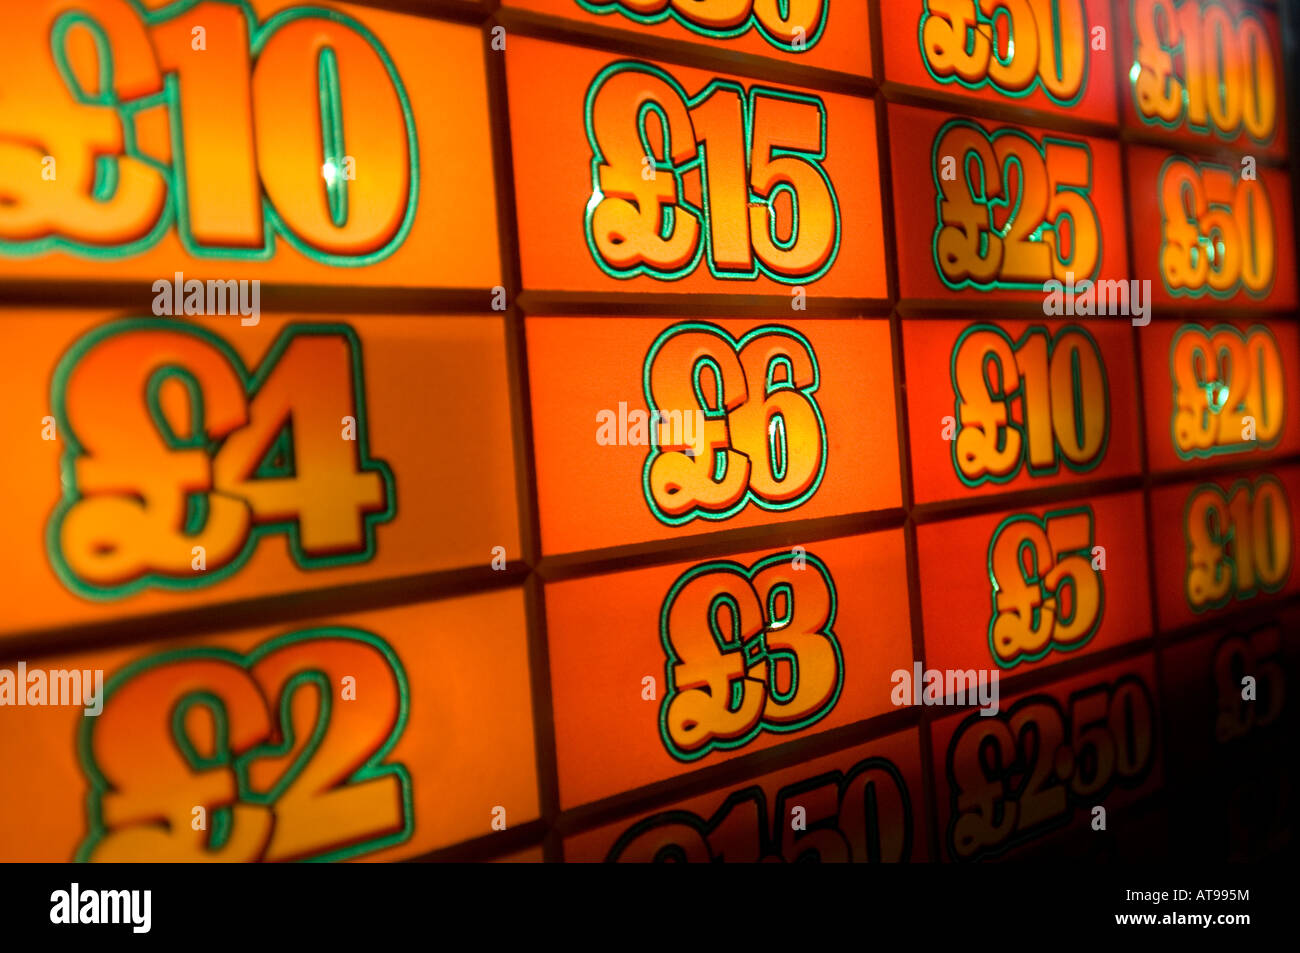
1206, 232
812, 33
1011, 404
1204, 71
798, 403
1046, 760
969, 231
658, 671
378, 735
158, 463
1223, 544
790, 178
864, 805
1220, 391
1037, 53
1034, 585
313, 144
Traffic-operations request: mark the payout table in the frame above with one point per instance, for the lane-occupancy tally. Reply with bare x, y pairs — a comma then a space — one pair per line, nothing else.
647, 430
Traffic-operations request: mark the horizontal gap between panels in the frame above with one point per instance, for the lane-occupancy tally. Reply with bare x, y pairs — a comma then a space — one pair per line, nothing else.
668, 304
276, 609
1204, 471
900, 94
462, 11
1029, 497
707, 544
977, 309
274, 298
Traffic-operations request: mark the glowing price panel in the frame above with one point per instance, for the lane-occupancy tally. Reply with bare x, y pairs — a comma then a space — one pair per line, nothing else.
863, 805
1212, 231
310, 144
1046, 759
1220, 391
1205, 71
759, 422
1002, 210
658, 671
1025, 404
1035, 585
1223, 542
1044, 54
378, 735
659, 178
805, 32
161, 463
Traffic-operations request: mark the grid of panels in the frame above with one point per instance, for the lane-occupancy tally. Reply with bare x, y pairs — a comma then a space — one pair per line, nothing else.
883, 317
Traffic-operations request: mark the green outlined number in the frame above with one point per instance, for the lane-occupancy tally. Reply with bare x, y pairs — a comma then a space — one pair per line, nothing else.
1204, 65
1010, 212
1217, 232
1043, 400
1014, 48
1046, 594
207, 754
748, 650
761, 437
1229, 390
179, 458
766, 205
789, 25
1239, 542
254, 136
